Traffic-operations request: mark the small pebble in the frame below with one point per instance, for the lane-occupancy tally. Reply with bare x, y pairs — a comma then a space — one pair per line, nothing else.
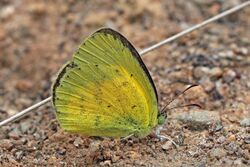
167, 146
218, 153
246, 154
199, 120
15, 133
78, 142
212, 73
232, 138
247, 140
207, 84
19, 155
94, 146
232, 147
6, 144
133, 155
25, 126
62, 151
106, 163
238, 162
229, 75
7, 11
245, 122
221, 139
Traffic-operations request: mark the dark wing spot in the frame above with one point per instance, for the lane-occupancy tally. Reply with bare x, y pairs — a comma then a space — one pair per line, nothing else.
109, 106
133, 106
96, 65
131, 75
116, 70
124, 83
131, 121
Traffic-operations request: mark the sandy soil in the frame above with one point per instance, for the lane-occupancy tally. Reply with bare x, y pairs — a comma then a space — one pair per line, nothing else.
38, 37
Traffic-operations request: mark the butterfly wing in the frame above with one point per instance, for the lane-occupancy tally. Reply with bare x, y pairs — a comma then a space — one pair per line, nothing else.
105, 90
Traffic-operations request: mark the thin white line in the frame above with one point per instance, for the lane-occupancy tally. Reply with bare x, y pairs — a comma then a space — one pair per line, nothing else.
144, 51
24, 112
197, 26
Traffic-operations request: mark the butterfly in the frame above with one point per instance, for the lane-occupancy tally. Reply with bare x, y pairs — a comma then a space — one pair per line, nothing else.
106, 89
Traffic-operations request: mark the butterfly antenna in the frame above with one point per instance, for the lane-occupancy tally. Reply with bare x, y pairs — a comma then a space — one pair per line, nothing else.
186, 105
144, 51
164, 109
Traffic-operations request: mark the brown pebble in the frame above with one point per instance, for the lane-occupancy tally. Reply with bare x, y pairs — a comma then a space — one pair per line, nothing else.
24, 85
167, 146
232, 138
6, 144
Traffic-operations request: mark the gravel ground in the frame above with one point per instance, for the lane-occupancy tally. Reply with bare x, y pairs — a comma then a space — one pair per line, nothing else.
37, 37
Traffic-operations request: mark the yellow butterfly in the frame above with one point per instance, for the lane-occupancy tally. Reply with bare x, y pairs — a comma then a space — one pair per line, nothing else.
106, 90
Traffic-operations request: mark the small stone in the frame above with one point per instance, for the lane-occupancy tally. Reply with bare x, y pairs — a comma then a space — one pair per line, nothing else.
207, 84
232, 147
218, 153
7, 11
194, 153
115, 158
246, 154
203, 164
199, 120
24, 85
38, 9
221, 139
6, 144
133, 155
25, 126
247, 140
232, 138
200, 72
216, 72
238, 162
94, 145
78, 142
62, 151
217, 127
227, 161
106, 163
245, 122
38, 155
167, 146
212, 73
15, 133
19, 155
229, 75
37, 136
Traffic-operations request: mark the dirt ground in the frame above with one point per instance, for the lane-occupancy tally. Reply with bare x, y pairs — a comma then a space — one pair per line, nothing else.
38, 37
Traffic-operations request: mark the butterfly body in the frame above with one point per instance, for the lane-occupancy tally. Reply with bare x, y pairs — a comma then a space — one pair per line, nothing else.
106, 90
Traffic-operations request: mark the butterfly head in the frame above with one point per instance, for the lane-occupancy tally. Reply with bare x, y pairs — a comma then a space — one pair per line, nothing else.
161, 118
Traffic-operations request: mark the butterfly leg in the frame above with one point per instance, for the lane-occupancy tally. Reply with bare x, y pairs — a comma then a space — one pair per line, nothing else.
125, 138
163, 137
